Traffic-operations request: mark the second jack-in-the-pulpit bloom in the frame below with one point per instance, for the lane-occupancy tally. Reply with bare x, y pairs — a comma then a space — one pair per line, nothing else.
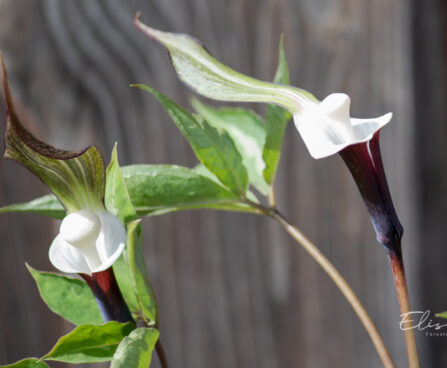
325, 126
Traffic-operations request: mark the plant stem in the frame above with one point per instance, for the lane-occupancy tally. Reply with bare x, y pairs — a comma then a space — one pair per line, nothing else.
340, 282
161, 354
272, 196
400, 281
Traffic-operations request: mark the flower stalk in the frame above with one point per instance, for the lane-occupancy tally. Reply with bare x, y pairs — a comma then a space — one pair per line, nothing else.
400, 281
341, 283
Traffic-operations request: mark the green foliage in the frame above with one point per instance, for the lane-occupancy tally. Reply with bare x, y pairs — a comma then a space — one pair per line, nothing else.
136, 349
27, 363
131, 270
442, 314
90, 343
247, 130
209, 77
276, 121
214, 148
157, 188
139, 276
47, 205
76, 178
154, 190
70, 298
116, 198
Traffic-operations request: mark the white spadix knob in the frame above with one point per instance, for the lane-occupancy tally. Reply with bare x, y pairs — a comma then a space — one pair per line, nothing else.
80, 228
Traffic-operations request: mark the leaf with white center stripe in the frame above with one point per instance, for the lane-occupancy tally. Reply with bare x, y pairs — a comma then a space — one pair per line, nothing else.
247, 130
209, 77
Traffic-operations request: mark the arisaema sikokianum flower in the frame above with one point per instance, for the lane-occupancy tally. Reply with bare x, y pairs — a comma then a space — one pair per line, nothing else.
325, 126
91, 238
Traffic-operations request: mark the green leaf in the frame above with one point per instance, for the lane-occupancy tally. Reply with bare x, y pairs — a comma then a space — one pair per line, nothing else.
154, 188
202, 170
130, 269
124, 280
214, 148
116, 198
140, 280
209, 77
247, 130
90, 343
136, 349
70, 298
276, 121
282, 71
47, 205
76, 178
27, 363
442, 314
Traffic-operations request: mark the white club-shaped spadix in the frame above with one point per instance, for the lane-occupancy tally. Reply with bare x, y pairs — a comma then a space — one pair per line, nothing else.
88, 242
327, 128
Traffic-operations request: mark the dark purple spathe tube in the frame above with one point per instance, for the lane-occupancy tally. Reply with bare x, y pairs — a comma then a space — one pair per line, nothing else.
365, 164
108, 296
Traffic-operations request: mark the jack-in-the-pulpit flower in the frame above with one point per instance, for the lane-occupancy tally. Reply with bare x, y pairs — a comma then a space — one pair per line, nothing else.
88, 242
90, 239
325, 126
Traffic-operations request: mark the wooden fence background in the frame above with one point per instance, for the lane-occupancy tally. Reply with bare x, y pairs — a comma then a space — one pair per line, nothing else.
233, 289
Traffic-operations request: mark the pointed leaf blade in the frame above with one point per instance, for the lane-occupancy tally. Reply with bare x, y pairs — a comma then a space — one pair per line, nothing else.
136, 349
90, 343
214, 148
158, 187
442, 314
140, 280
247, 130
27, 363
71, 298
130, 269
155, 190
209, 77
276, 121
47, 205
117, 199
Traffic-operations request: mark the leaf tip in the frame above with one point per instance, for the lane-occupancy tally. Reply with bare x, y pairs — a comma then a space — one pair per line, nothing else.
2, 66
144, 28
31, 269
136, 18
281, 40
5, 84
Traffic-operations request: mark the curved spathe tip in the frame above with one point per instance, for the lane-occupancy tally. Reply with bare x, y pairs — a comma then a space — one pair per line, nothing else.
327, 128
102, 254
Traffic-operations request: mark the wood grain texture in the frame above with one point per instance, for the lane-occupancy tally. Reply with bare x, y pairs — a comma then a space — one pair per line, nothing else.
233, 289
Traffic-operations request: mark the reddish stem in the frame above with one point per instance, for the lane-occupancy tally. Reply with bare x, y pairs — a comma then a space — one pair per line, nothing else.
108, 296
400, 281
